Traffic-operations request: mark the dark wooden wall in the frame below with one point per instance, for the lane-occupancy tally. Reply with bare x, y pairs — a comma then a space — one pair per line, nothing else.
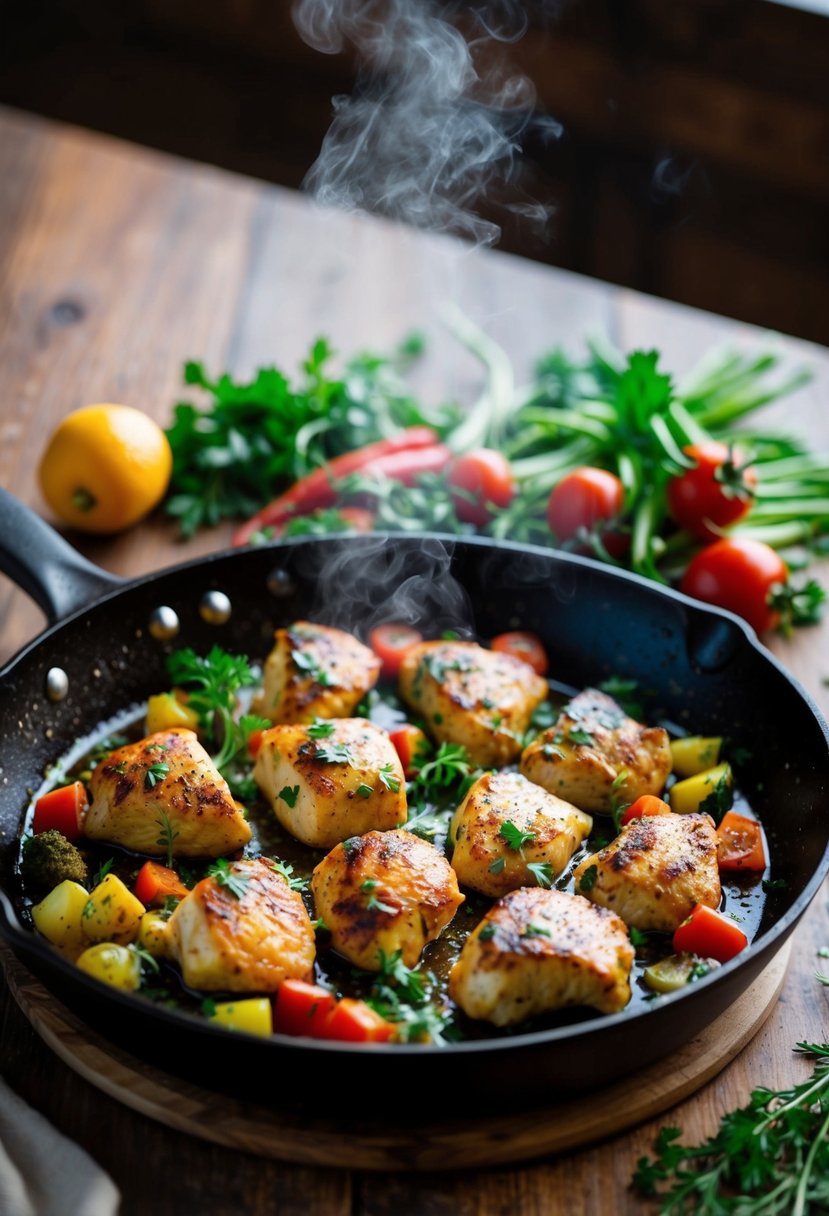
694, 163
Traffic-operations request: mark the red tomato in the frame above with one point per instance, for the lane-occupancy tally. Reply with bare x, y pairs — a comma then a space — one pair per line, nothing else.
353, 1021
391, 643
524, 646
155, 882
62, 809
707, 933
717, 492
648, 804
358, 518
738, 574
586, 501
740, 843
302, 1008
480, 480
412, 747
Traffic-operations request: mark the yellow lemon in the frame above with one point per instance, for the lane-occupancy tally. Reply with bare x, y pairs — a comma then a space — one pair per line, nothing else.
105, 467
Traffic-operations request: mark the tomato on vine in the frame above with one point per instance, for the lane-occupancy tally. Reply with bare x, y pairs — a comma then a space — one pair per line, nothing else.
716, 493
584, 505
478, 481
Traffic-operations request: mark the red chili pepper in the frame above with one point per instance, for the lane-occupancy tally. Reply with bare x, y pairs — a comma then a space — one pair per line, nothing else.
317, 489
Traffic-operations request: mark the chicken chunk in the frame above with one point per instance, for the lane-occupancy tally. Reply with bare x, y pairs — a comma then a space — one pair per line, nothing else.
331, 780
384, 891
655, 870
506, 825
247, 934
469, 695
595, 755
165, 787
536, 951
313, 672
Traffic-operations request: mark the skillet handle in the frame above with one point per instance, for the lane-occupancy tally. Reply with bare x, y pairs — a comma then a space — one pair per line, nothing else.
58, 578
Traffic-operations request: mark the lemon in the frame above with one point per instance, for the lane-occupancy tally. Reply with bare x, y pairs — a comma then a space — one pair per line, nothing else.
105, 467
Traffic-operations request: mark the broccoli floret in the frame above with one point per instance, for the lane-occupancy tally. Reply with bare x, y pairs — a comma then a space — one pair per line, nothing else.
49, 858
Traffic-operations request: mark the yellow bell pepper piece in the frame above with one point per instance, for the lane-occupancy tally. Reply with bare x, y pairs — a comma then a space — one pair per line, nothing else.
253, 1015
694, 754
165, 710
115, 965
59, 917
112, 913
688, 795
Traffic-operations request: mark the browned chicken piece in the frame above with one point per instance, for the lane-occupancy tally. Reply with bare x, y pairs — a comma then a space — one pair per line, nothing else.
315, 672
536, 951
165, 787
331, 780
384, 891
466, 694
247, 934
655, 871
506, 825
596, 756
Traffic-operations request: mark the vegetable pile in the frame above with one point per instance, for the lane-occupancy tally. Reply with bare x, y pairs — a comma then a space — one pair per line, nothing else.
605, 456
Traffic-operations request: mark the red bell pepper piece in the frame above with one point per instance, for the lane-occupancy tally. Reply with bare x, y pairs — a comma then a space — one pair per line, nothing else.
317, 489
356, 1022
648, 804
412, 747
740, 843
302, 1008
154, 883
63, 810
710, 935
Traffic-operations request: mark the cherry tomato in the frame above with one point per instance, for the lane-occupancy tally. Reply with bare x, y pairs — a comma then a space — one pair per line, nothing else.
62, 809
480, 480
647, 804
155, 882
584, 501
412, 747
717, 492
302, 1008
740, 843
707, 933
524, 646
738, 574
391, 643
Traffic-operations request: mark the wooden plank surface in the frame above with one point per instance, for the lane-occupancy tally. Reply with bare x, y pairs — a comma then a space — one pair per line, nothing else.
117, 266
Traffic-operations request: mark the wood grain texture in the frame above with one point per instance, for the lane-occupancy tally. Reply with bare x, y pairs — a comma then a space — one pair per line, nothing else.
118, 265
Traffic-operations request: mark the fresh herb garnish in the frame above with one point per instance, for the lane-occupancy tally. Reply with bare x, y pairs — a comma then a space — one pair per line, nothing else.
534, 930
580, 736
376, 905
588, 879
212, 683
637, 937
167, 835
365, 791
487, 933
514, 836
320, 729
102, 871
625, 692
388, 778
234, 883
308, 664
497, 866
155, 773
334, 753
289, 794
720, 800
542, 872
287, 871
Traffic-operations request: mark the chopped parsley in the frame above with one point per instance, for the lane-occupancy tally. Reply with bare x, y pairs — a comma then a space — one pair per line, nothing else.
287, 871
289, 794
155, 773
334, 753
309, 666
513, 835
534, 930
497, 866
542, 872
487, 933
588, 879
365, 791
234, 883
580, 736
637, 937
389, 778
320, 729
720, 800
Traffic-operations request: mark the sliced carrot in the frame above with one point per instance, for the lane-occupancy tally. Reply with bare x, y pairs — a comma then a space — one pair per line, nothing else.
302, 1008
709, 934
155, 883
740, 843
63, 810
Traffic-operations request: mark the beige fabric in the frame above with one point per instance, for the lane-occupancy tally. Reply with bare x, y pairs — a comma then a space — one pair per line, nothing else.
44, 1174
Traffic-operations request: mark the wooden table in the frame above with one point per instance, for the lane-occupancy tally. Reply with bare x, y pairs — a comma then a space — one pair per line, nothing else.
119, 264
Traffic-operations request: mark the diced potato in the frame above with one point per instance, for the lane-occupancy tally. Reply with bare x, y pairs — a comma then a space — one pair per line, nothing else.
694, 754
165, 710
152, 934
115, 965
59, 917
112, 913
254, 1015
687, 796
674, 972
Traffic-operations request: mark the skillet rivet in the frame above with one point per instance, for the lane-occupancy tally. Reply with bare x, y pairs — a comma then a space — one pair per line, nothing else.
215, 608
280, 583
163, 623
57, 684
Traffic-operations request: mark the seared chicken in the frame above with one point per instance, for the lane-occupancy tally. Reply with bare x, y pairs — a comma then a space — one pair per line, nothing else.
536, 951
504, 826
165, 788
331, 780
655, 870
596, 755
247, 934
384, 891
480, 698
315, 672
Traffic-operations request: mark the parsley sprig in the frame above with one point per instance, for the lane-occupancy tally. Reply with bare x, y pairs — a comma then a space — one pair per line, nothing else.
232, 881
403, 995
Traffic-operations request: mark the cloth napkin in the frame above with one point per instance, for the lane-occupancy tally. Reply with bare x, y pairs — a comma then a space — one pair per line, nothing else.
44, 1174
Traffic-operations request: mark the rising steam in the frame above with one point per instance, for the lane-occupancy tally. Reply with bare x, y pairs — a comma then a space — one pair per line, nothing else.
435, 121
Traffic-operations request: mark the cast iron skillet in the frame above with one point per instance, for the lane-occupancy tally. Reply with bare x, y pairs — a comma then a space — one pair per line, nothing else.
702, 667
